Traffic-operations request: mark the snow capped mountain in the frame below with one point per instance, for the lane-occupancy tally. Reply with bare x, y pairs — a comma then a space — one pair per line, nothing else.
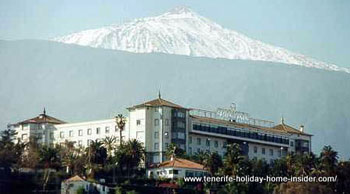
184, 32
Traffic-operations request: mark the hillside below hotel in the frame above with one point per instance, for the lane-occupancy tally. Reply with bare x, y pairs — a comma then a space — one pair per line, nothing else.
159, 123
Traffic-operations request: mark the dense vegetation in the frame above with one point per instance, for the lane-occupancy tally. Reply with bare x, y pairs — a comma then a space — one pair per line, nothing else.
121, 164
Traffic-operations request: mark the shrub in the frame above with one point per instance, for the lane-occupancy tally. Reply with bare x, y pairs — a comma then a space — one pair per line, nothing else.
81, 190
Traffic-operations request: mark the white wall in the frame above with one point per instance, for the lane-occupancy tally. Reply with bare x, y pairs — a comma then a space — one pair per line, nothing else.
71, 131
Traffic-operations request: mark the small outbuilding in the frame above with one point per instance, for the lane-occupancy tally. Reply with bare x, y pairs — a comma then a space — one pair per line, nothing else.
71, 185
176, 168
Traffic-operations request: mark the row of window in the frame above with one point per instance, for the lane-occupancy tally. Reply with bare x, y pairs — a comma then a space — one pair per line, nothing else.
89, 132
156, 122
271, 151
237, 133
179, 114
207, 142
156, 146
190, 151
179, 124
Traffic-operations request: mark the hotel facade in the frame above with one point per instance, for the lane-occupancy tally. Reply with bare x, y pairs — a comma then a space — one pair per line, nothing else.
158, 123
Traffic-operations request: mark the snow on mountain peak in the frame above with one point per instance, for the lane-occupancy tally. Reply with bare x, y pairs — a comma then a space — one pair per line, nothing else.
180, 10
183, 32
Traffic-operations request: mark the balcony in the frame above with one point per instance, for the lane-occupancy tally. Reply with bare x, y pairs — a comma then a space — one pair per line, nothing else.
243, 134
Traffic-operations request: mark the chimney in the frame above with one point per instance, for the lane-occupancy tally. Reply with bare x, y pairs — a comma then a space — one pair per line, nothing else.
301, 128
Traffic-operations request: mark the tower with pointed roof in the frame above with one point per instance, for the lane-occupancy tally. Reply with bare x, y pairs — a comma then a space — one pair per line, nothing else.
40, 128
158, 123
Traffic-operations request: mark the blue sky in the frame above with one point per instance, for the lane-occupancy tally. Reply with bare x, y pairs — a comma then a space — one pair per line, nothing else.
317, 28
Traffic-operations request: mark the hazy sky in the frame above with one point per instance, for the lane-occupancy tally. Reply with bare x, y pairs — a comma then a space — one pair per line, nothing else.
317, 28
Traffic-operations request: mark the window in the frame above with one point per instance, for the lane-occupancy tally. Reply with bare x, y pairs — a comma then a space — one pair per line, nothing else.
61, 134
156, 135
89, 131
198, 150
166, 134
291, 143
263, 150
80, 143
88, 142
208, 142
156, 146
166, 145
24, 136
51, 135
166, 122
39, 136
216, 143
305, 144
255, 149
181, 135
181, 114
98, 130
156, 122
190, 140
173, 171
190, 150
181, 124
138, 122
271, 152
80, 132
279, 153
199, 141
106, 129
70, 133
224, 145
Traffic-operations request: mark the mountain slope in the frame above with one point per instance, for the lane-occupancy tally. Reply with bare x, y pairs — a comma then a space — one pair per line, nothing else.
183, 32
77, 83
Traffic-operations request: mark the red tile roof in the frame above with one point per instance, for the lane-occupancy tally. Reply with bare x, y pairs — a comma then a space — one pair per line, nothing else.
181, 163
42, 118
74, 179
157, 102
289, 129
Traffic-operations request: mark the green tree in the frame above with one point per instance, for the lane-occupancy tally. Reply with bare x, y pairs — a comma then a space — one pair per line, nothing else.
135, 153
304, 164
96, 157
110, 143
233, 159
328, 159
174, 151
343, 173
31, 156
10, 152
304, 188
213, 162
49, 158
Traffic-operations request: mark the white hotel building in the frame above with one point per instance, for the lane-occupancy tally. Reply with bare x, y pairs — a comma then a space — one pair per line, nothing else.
158, 123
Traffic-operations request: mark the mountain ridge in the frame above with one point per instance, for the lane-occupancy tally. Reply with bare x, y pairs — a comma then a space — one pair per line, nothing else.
181, 31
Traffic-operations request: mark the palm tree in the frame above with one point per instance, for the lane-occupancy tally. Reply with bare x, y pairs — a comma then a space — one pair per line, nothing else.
200, 157
135, 153
69, 154
109, 143
233, 158
213, 162
121, 121
304, 164
49, 157
328, 159
96, 156
174, 151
